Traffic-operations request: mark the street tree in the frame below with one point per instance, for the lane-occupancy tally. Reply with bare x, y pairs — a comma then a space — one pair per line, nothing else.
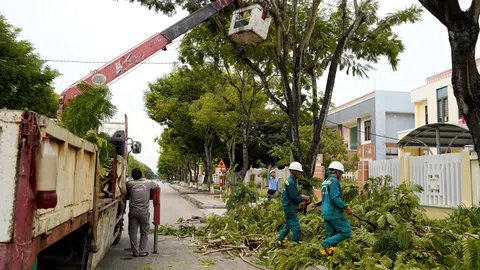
211, 109
169, 158
88, 109
25, 80
462, 30
168, 101
313, 39
236, 83
308, 39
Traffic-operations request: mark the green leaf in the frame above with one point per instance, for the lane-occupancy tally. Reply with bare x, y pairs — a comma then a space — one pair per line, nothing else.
381, 221
391, 219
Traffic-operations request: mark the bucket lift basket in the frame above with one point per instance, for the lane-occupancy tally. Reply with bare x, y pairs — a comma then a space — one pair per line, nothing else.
249, 25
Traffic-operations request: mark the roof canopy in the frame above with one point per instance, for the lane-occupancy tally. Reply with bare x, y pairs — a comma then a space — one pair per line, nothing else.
438, 135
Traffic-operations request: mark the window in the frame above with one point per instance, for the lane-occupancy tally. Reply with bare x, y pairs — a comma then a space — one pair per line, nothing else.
353, 138
367, 129
442, 104
426, 115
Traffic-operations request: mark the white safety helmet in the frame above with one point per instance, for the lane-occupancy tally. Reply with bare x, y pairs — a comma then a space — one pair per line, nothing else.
336, 166
295, 166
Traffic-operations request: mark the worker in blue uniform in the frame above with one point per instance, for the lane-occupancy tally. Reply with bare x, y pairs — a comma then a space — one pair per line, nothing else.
337, 226
291, 199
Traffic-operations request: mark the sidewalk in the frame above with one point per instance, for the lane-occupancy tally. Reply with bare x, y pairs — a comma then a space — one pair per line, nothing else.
206, 200
188, 190
202, 199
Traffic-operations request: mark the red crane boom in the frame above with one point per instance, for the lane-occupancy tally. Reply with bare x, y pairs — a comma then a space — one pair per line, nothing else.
147, 48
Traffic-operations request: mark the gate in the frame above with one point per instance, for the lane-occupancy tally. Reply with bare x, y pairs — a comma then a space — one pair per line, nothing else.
441, 178
391, 167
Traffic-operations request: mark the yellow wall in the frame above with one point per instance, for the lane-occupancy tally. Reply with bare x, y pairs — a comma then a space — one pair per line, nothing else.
427, 96
475, 173
420, 113
437, 212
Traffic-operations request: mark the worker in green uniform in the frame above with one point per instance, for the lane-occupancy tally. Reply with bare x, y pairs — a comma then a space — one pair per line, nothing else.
337, 226
291, 198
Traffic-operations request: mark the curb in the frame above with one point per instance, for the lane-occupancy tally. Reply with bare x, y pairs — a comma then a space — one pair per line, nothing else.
183, 190
196, 202
201, 205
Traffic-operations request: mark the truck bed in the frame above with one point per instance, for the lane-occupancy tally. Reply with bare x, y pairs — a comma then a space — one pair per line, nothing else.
75, 174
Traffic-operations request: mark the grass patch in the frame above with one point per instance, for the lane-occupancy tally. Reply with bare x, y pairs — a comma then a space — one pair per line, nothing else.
145, 266
205, 263
176, 264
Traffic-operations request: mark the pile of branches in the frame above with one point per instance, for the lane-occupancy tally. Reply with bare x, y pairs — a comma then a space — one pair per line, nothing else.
249, 247
403, 237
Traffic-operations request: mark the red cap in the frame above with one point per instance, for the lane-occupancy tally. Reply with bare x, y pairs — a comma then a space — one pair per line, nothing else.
45, 138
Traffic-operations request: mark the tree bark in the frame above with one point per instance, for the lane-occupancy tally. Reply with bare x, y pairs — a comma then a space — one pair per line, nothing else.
231, 152
209, 137
189, 171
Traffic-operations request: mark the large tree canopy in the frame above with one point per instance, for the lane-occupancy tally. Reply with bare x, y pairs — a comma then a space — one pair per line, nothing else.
25, 80
307, 40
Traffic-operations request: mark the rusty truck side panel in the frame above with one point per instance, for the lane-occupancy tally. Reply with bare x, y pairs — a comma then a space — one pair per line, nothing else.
75, 178
9, 141
104, 230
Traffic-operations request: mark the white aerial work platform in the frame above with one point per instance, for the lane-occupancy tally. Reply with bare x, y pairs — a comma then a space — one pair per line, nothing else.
250, 24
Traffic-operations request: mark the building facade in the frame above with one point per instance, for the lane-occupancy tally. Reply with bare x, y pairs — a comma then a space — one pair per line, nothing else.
435, 101
369, 124
435, 107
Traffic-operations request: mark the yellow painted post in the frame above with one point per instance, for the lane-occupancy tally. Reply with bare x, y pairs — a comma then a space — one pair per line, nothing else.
467, 188
405, 168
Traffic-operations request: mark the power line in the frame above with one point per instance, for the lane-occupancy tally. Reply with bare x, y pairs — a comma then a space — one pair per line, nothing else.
102, 62
95, 62
376, 135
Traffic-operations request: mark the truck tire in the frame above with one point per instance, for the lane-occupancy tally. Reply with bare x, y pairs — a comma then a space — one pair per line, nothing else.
119, 236
70, 252
119, 226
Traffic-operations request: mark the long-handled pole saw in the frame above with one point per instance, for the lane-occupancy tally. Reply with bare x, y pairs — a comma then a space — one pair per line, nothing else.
312, 206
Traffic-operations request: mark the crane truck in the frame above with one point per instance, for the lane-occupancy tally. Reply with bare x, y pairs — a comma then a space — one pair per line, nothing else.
55, 212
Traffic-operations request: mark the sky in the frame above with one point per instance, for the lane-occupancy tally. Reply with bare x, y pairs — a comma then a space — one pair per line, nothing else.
100, 30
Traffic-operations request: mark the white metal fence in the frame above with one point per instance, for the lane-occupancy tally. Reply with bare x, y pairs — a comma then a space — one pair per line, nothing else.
389, 167
441, 178
351, 176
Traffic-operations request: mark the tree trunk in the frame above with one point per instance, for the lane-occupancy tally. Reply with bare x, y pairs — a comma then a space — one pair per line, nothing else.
463, 35
196, 172
208, 165
245, 134
209, 138
295, 136
231, 152
189, 170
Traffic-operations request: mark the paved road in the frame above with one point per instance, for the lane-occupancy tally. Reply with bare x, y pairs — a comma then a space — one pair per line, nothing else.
173, 253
